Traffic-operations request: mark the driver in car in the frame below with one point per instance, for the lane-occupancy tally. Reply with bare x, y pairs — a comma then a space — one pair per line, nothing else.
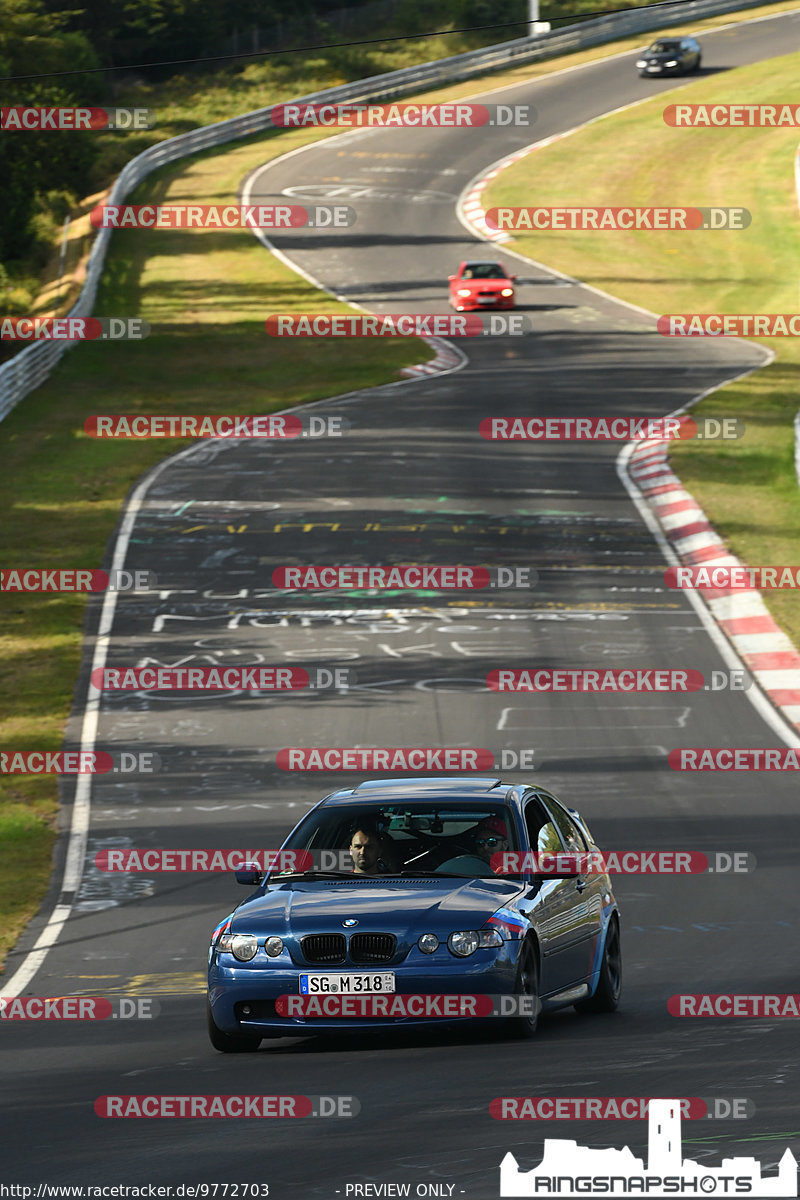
371, 854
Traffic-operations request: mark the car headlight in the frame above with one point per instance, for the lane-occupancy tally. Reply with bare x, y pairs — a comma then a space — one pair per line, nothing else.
467, 941
463, 944
507, 292
642, 63
273, 946
241, 945
672, 63
428, 942
463, 292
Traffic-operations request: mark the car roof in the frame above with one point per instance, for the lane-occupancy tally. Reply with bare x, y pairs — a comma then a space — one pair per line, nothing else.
482, 262
470, 788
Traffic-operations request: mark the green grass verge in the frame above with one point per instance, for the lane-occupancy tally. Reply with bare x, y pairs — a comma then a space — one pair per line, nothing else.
748, 488
206, 300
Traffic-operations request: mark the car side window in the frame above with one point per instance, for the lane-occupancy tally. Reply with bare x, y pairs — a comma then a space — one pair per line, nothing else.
573, 838
542, 833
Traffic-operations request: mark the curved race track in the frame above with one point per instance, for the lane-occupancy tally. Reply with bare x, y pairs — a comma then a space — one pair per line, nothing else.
413, 481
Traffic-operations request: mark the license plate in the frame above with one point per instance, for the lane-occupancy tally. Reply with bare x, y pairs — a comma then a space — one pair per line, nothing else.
319, 983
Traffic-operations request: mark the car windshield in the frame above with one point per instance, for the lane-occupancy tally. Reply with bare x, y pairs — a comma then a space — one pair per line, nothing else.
484, 270
664, 48
403, 838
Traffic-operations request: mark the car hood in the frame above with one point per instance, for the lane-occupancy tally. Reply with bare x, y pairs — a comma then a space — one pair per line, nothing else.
405, 908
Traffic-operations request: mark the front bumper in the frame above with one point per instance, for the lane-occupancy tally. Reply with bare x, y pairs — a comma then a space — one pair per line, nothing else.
234, 988
463, 305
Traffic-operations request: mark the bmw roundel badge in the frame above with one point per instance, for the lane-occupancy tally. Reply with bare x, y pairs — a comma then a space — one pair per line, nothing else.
350, 922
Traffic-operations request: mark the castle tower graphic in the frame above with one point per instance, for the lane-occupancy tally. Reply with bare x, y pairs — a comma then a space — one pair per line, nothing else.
564, 1161
664, 1149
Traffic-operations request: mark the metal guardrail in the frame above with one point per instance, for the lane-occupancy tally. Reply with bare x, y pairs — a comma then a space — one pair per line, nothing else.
28, 369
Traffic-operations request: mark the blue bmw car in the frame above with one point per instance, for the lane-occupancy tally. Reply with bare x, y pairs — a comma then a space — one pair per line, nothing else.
418, 903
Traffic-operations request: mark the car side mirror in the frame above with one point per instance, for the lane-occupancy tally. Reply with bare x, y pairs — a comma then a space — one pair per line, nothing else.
249, 876
512, 277
450, 278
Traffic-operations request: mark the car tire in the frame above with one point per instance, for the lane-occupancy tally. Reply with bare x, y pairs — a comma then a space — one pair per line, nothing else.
527, 984
609, 986
229, 1043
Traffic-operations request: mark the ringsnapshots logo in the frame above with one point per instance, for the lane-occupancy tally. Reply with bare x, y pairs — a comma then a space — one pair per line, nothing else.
222, 216
358, 325
23, 118
73, 329
268, 425
567, 1169
406, 115
599, 219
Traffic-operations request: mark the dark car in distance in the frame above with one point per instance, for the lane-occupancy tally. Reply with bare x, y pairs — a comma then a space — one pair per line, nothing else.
670, 56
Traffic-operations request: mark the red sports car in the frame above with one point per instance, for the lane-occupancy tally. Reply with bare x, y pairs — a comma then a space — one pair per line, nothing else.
478, 285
